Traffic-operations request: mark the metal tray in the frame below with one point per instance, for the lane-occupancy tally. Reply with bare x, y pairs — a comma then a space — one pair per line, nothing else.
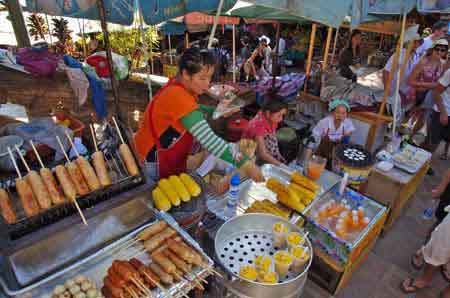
96, 265
421, 157
251, 191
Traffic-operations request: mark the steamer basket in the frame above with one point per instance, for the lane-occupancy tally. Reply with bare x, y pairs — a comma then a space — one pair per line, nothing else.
237, 243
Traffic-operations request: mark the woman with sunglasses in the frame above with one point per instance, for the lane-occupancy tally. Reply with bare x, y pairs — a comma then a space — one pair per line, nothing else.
426, 74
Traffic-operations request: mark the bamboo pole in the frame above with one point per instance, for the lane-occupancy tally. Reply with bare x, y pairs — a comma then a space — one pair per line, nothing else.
186, 40
327, 47
114, 83
334, 46
49, 29
311, 49
216, 20
234, 53
170, 49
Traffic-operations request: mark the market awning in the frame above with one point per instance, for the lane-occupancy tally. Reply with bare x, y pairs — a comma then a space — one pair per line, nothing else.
330, 13
157, 11
117, 11
172, 28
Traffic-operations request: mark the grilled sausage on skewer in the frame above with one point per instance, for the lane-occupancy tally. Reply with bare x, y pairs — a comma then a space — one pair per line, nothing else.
6, 207
29, 204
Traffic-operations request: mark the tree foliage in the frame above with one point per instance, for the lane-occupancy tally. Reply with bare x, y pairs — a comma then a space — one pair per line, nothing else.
37, 26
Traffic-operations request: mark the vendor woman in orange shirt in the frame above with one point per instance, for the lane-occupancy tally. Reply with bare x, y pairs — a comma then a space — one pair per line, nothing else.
174, 119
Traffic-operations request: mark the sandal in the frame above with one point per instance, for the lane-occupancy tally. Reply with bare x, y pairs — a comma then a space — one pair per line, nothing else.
414, 262
411, 284
445, 273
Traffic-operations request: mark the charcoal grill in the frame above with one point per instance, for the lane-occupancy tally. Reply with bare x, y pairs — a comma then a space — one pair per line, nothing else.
23, 245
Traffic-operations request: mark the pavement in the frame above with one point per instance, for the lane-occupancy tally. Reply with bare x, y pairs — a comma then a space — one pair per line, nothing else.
389, 263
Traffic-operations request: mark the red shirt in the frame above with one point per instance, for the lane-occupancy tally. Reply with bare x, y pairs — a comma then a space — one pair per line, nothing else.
259, 126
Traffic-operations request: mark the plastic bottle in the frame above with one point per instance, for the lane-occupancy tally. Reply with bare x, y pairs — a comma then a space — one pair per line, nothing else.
429, 211
232, 196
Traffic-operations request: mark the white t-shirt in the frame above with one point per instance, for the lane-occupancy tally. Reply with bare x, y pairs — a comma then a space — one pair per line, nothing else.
326, 127
281, 47
445, 81
413, 61
427, 44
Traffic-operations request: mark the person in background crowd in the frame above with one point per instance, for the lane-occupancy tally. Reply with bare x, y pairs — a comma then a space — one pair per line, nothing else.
427, 72
254, 66
281, 47
413, 60
245, 51
439, 30
220, 55
333, 129
351, 56
262, 128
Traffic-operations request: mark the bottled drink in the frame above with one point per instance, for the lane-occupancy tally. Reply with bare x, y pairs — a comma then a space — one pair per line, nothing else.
429, 211
232, 196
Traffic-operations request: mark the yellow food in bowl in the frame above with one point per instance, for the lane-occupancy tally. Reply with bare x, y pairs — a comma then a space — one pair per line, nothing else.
268, 277
299, 252
248, 272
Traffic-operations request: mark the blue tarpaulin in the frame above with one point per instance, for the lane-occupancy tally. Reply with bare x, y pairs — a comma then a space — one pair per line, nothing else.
117, 11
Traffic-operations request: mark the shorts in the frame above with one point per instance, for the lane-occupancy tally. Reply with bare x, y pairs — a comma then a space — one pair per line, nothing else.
437, 131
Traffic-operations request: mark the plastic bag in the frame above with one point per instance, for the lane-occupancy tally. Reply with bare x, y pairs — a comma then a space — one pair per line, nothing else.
229, 104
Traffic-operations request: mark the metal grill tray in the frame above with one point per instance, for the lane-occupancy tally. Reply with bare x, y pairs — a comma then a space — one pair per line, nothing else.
241, 239
95, 267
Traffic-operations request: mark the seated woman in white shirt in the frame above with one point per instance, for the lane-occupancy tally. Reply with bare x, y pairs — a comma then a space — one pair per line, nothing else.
333, 129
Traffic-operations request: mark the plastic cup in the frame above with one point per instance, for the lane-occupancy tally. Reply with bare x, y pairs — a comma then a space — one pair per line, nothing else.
263, 263
280, 231
283, 261
268, 277
315, 167
301, 256
294, 239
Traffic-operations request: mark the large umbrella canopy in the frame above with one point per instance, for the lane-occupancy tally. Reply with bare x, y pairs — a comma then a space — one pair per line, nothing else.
172, 28
327, 12
157, 11
117, 11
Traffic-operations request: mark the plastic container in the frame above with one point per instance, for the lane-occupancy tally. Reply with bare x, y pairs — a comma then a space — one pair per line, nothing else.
232, 196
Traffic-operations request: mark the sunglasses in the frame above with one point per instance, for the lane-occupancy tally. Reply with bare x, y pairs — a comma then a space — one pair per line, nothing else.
442, 50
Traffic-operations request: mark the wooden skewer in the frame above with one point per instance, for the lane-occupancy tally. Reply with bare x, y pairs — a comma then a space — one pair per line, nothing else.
198, 284
62, 148
131, 292
37, 154
158, 285
201, 279
94, 139
118, 130
14, 163
75, 200
124, 245
23, 159
72, 144
141, 286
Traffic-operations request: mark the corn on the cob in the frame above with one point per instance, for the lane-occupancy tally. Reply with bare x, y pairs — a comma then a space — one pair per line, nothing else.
160, 199
180, 188
169, 191
305, 182
192, 186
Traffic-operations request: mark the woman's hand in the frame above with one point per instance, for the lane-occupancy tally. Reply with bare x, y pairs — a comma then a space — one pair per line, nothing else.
251, 170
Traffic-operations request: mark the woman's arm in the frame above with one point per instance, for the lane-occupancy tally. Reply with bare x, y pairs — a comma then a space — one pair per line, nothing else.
439, 190
263, 152
196, 124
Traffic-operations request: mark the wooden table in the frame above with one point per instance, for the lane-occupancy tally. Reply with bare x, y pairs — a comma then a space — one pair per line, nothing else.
394, 189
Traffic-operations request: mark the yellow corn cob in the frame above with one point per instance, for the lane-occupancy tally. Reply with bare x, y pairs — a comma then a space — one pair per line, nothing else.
305, 182
306, 196
160, 199
276, 209
293, 193
275, 185
192, 186
169, 191
286, 200
180, 188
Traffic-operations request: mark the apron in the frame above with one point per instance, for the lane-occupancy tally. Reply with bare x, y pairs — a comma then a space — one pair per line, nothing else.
326, 147
173, 160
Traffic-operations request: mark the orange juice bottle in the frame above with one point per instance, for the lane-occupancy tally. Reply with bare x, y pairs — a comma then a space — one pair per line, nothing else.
364, 223
361, 212
341, 231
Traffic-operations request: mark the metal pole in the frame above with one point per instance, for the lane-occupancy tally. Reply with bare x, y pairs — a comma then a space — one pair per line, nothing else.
147, 66
114, 83
275, 60
216, 20
397, 83
170, 50
234, 53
